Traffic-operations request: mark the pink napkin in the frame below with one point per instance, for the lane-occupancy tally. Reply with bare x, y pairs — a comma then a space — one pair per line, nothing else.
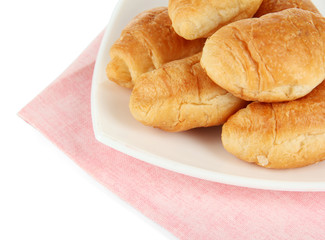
189, 208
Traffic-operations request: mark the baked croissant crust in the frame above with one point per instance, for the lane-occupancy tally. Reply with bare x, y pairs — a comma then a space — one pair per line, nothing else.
180, 96
146, 43
271, 6
278, 57
194, 19
279, 135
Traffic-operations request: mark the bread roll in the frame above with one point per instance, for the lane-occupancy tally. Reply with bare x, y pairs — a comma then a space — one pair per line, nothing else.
180, 96
146, 43
278, 57
194, 19
271, 6
279, 135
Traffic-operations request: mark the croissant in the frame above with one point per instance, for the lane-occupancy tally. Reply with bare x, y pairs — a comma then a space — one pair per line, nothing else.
270, 6
279, 135
179, 96
146, 43
194, 19
278, 57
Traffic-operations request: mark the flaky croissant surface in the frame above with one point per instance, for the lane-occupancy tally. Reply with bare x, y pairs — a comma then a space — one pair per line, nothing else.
279, 135
146, 43
278, 57
271, 6
179, 96
194, 19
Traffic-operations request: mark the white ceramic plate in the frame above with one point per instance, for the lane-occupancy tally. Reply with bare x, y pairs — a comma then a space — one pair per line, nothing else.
198, 153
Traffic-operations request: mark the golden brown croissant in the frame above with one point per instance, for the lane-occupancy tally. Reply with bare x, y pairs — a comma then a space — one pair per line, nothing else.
146, 43
194, 19
277, 57
271, 6
180, 96
279, 135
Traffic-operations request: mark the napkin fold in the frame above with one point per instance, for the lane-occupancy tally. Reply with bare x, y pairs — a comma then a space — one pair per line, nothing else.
188, 207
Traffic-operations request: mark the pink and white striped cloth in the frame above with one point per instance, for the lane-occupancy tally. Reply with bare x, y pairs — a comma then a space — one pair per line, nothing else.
189, 208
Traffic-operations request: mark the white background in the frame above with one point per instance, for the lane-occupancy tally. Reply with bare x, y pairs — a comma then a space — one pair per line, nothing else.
44, 194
